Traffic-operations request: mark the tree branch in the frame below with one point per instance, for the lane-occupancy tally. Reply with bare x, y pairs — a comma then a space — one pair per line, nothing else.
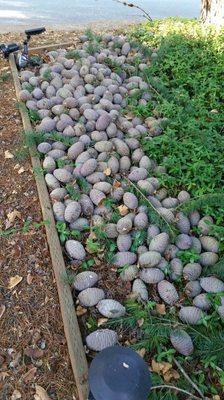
188, 378
177, 389
146, 14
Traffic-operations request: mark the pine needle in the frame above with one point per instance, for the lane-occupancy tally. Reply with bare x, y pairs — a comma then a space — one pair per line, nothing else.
210, 199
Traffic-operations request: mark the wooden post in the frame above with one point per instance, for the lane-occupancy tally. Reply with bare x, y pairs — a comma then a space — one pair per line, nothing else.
71, 327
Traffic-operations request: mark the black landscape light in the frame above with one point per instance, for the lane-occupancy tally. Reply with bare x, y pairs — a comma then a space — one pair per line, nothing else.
119, 373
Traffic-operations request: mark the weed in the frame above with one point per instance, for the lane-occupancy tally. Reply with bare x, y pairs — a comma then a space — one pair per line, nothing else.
92, 48
88, 264
186, 78
123, 268
73, 193
47, 75
33, 115
68, 278
92, 36
5, 76
27, 225
65, 233
74, 54
83, 184
188, 256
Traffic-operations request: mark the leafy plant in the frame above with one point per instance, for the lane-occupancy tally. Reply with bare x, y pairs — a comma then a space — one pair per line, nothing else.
73, 193
65, 233
185, 83
188, 256
88, 264
139, 237
33, 115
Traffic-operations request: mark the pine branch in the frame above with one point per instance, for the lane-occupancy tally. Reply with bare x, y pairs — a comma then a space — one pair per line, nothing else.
155, 216
210, 199
217, 269
131, 5
179, 366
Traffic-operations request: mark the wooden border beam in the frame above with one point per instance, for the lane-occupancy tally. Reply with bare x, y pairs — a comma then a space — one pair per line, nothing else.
71, 326
50, 47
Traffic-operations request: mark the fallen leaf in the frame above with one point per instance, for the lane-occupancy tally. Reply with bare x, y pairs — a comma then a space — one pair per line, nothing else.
123, 210
33, 352
29, 375
140, 322
117, 184
16, 359
16, 395
101, 321
3, 375
14, 281
161, 367
16, 166
41, 393
107, 171
141, 352
161, 309
2, 310
8, 154
171, 374
21, 170
80, 311
13, 215
29, 279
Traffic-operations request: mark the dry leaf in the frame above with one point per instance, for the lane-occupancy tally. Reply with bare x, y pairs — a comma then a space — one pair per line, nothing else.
2, 310
41, 393
16, 395
21, 170
107, 171
13, 215
161, 309
16, 166
33, 352
123, 210
216, 397
29, 279
117, 184
8, 154
140, 322
101, 321
29, 375
80, 311
14, 281
161, 367
3, 375
141, 352
171, 374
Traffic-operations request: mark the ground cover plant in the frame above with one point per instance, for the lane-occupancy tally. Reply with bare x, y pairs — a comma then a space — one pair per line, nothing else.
125, 127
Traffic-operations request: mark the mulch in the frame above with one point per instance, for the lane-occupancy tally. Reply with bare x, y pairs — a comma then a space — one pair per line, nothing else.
33, 347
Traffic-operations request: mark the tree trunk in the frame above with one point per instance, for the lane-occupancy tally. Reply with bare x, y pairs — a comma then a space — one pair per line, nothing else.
212, 11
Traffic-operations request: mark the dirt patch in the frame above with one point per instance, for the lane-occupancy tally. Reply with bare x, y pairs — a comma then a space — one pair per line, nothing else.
33, 346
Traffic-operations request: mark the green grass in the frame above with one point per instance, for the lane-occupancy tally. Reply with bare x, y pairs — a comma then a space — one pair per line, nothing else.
186, 81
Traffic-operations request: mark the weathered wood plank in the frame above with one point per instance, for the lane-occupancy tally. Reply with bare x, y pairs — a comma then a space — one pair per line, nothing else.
50, 47
71, 327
